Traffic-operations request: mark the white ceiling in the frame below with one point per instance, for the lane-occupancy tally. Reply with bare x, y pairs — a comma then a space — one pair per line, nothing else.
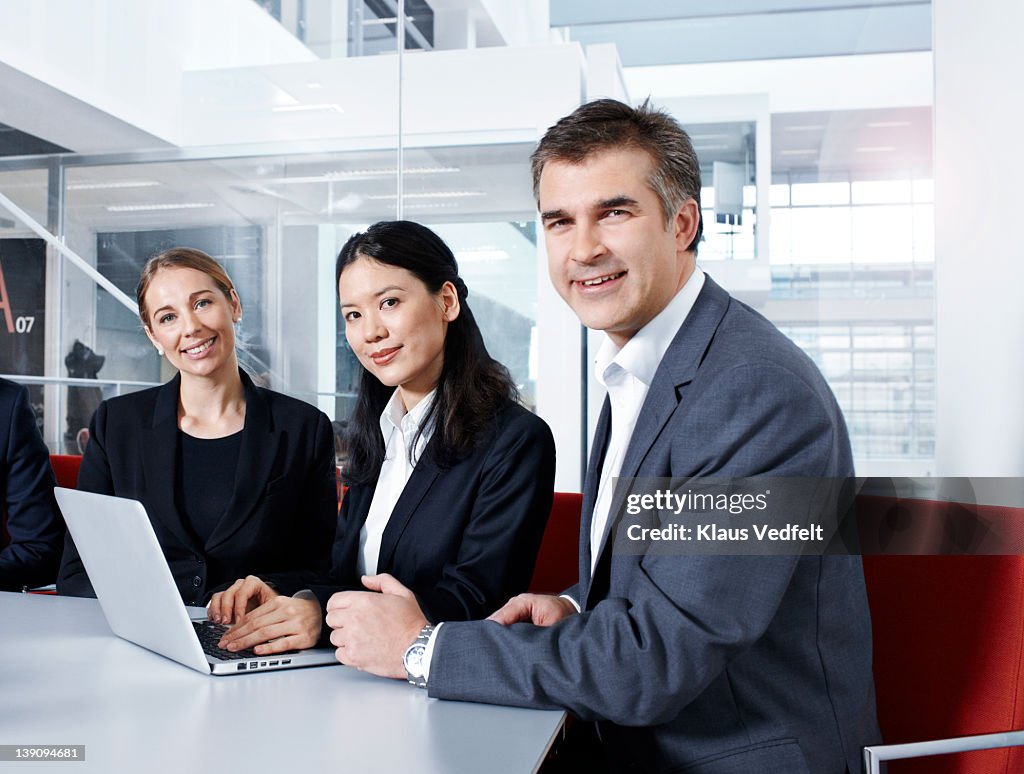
654, 32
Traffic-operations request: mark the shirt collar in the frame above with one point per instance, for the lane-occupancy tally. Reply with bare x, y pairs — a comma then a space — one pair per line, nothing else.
642, 354
395, 417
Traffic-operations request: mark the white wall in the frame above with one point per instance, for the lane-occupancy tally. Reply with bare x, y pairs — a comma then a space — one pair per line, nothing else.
491, 95
979, 111
798, 85
122, 60
605, 74
519, 22
472, 23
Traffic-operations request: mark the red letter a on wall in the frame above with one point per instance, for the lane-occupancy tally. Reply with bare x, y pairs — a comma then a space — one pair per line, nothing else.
5, 303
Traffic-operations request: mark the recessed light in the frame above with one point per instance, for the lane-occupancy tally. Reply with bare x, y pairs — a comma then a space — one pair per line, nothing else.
348, 203
112, 185
429, 195
307, 108
148, 207
430, 206
360, 174
481, 255
804, 127
876, 149
351, 174
887, 124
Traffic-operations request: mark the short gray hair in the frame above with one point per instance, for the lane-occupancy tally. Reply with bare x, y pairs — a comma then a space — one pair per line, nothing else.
607, 123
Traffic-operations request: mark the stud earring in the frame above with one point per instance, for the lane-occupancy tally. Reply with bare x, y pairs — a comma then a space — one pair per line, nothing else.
160, 352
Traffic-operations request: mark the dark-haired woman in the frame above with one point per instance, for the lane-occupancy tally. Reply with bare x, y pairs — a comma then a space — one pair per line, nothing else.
451, 479
236, 479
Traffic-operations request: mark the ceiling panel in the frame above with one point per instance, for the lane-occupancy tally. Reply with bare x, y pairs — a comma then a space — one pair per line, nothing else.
649, 33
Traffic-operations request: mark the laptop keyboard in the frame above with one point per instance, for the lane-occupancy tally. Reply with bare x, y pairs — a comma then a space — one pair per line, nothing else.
209, 634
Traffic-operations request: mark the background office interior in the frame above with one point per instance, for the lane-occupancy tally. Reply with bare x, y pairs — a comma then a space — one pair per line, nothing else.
859, 164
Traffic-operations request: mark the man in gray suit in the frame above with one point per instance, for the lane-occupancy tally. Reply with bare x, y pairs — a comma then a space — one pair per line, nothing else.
708, 664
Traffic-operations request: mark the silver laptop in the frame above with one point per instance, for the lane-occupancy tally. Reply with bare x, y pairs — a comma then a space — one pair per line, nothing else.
136, 590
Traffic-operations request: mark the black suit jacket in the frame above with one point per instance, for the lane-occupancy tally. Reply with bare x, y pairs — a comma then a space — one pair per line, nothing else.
282, 515
34, 528
465, 538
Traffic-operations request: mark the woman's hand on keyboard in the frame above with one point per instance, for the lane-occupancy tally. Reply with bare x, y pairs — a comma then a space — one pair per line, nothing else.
240, 598
282, 624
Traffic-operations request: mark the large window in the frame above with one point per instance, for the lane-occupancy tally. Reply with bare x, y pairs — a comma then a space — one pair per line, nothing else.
276, 223
270, 150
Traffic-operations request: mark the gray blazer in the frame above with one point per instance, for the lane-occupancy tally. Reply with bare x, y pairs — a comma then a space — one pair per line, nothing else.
708, 664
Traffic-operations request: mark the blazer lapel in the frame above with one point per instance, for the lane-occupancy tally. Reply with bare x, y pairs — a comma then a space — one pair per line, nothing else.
677, 369
345, 551
423, 476
255, 462
160, 463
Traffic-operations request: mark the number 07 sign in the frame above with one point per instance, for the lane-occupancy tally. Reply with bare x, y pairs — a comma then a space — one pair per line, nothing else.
22, 305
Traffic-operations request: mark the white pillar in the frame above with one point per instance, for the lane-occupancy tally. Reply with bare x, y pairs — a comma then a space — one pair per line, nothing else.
454, 28
327, 28
979, 169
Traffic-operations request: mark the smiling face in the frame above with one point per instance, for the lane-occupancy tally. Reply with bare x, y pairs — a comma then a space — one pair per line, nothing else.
191, 320
396, 326
610, 254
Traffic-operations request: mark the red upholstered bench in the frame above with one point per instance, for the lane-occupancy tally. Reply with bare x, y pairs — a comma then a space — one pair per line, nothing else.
557, 565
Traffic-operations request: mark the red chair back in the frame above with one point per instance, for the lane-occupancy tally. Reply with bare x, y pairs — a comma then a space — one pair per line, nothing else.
557, 565
948, 642
65, 469
948, 654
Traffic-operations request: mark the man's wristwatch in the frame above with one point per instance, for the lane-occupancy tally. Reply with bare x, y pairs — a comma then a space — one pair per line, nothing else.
415, 672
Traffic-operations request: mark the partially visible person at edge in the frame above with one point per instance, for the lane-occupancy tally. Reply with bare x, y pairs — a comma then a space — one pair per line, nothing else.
709, 664
33, 530
236, 479
451, 479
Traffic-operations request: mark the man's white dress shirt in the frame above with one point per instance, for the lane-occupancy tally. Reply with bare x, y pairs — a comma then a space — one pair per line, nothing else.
627, 374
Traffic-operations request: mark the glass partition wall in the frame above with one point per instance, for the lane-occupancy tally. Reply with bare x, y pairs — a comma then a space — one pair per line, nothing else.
820, 220
275, 217
276, 223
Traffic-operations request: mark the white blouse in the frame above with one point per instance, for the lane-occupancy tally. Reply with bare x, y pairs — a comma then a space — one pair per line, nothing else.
399, 429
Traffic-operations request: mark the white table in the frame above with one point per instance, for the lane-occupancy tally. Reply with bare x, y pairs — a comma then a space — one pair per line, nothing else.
65, 679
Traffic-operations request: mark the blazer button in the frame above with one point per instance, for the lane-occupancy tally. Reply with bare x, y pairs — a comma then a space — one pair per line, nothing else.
197, 581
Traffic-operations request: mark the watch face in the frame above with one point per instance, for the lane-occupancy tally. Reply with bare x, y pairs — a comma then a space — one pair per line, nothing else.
414, 660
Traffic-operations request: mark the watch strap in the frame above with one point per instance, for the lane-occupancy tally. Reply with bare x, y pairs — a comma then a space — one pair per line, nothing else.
421, 641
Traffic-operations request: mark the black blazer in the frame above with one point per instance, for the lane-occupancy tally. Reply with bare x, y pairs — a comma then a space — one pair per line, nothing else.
463, 539
33, 531
282, 514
